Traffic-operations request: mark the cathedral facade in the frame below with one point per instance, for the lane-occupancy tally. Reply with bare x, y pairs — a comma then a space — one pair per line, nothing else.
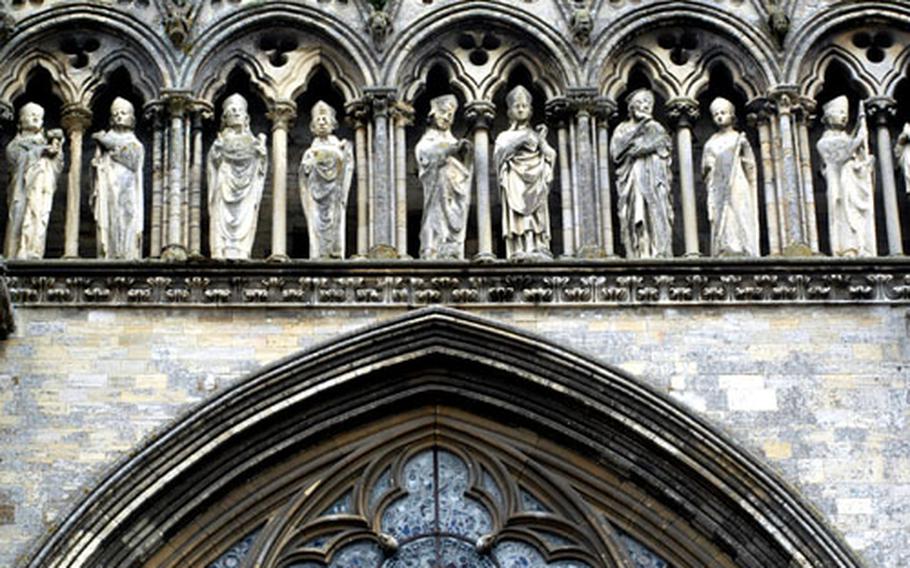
499, 283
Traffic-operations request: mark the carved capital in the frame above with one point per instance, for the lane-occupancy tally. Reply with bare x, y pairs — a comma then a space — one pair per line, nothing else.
806, 109
75, 118
403, 113
282, 114
154, 112
558, 110
178, 103
380, 100
358, 112
760, 109
202, 111
480, 114
605, 108
583, 101
786, 98
881, 110
683, 111
7, 114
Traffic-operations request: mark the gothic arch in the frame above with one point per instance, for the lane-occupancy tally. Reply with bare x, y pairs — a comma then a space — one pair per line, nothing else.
554, 59
132, 45
719, 506
807, 37
333, 44
749, 44
814, 79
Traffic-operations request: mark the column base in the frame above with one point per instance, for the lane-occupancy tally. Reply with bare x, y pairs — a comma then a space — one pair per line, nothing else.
693, 255
797, 249
591, 253
383, 252
484, 258
278, 258
174, 253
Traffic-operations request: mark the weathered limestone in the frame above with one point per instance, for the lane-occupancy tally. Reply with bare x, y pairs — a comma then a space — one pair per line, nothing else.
731, 176
881, 110
325, 175
117, 192
641, 149
237, 163
35, 162
848, 169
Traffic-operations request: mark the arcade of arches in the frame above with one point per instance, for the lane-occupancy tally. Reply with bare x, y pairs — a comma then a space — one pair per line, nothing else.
675, 233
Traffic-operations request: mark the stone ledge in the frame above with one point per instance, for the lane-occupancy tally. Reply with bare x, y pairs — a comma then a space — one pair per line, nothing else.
766, 281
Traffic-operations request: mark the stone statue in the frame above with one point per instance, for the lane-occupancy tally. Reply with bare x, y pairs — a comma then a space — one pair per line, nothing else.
325, 175
446, 182
237, 164
902, 154
642, 150
35, 163
729, 168
848, 167
117, 198
524, 164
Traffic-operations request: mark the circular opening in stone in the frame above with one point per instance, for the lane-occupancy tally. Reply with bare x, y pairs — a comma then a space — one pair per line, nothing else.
479, 57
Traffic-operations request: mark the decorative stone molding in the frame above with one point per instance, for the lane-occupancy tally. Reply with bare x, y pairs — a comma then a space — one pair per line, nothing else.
396, 284
7, 321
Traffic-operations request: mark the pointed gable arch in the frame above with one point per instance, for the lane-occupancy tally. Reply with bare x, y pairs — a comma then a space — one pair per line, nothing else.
640, 460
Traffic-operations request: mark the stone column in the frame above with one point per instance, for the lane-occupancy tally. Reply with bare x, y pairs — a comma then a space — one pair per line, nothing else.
558, 112
588, 230
480, 115
803, 115
603, 111
282, 115
795, 221
202, 111
760, 112
881, 110
154, 113
178, 104
402, 117
684, 112
383, 214
75, 119
358, 114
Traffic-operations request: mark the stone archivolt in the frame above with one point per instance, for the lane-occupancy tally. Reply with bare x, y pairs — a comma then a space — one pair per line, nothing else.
384, 59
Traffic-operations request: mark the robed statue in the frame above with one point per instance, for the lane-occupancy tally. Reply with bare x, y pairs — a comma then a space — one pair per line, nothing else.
35, 163
445, 169
848, 167
902, 155
117, 199
642, 151
237, 164
325, 174
524, 164
731, 178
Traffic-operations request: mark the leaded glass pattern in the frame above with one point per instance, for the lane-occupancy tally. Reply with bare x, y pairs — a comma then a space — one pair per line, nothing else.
237, 553
344, 505
515, 554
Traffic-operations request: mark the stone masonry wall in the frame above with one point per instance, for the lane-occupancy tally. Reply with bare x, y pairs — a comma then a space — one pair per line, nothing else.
823, 395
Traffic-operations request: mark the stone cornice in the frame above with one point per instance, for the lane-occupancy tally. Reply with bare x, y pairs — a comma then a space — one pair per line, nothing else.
682, 282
